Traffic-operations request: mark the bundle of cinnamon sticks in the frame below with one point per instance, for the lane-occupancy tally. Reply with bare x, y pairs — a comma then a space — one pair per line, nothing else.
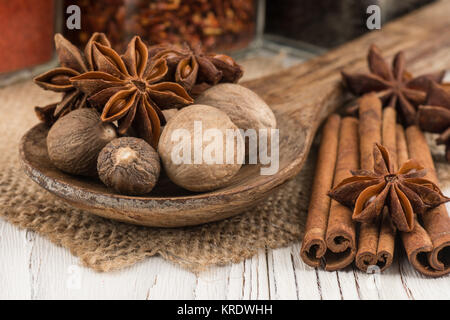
332, 239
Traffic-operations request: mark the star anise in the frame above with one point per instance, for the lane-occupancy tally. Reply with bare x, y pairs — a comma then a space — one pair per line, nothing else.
435, 115
130, 90
195, 70
72, 63
396, 87
405, 192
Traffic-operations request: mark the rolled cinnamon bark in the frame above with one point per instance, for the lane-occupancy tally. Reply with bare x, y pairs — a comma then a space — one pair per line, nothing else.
340, 235
367, 246
388, 139
370, 111
417, 242
417, 245
369, 128
428, 251
402, 147
314, 245
386, 240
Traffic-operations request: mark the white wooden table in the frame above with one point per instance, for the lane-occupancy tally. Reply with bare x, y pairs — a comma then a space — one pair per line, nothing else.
33, 268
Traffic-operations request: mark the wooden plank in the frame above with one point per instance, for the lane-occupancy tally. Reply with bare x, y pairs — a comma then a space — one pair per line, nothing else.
213, 283
259, 283
329, 285
56, 274
347, 284
387, 285
316, 84
283, 283
248, 280
308, 283
169, 281
15, 282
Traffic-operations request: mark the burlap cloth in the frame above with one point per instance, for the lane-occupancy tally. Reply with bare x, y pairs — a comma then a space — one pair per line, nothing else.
106, 245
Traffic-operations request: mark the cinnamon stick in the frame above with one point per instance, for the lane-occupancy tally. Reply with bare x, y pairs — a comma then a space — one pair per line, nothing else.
417, 242
370, 133
389, 131
340, 235
314, 245
429, 253
386, 240
402, 147
369, 128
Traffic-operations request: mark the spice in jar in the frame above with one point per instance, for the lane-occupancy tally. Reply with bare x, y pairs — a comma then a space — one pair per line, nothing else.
27, 33
216, 24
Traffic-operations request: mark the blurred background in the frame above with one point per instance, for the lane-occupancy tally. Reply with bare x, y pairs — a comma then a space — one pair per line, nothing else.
281, 32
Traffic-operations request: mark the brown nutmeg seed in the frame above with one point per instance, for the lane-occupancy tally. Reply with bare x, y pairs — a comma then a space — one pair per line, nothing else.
129, 166
201, 176
75, 140
244, 107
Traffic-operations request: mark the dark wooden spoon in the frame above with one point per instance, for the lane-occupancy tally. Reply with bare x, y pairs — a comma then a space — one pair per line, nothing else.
301, 97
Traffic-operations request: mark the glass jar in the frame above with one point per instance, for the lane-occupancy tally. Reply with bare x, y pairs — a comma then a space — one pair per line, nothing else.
324, 24
26, 40
224, 25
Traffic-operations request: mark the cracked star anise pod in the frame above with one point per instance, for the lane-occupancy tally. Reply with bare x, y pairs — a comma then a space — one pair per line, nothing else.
396, 87
72, 63
194, 69
128, 89
434, 116
405, 192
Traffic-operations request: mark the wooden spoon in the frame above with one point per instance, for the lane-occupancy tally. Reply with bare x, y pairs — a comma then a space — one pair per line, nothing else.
301, 97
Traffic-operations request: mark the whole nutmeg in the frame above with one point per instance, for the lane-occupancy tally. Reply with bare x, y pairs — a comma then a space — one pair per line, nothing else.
75, 140
129, 166
244, 107
193, 159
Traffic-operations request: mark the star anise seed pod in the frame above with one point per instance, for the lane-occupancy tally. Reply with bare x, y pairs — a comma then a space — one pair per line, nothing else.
405, 192
130, 90
396, 87
195, 70
72, 63
434, 116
